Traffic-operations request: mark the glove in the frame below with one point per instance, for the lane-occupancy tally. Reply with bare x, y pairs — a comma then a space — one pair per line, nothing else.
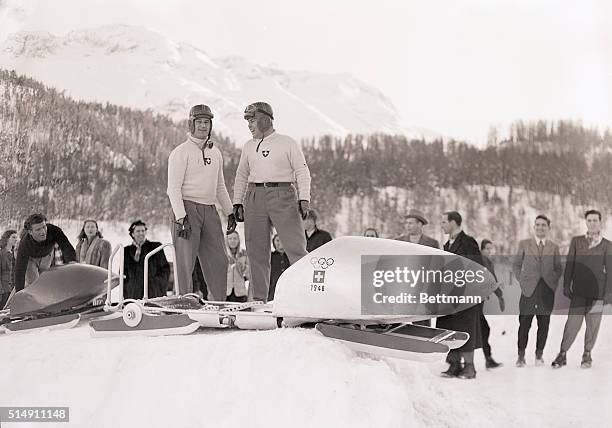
239, 213
502, 304
303, 208
567, 292
231, 224
183, 230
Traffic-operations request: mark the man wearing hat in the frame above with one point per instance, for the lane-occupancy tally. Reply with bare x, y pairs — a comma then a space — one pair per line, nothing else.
272, 188
195, 183
415, 220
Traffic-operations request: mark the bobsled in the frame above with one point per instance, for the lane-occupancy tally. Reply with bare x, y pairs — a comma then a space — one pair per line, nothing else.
59, 298
334, 289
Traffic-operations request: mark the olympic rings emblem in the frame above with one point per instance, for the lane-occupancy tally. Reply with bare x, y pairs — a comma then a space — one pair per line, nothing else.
321, 262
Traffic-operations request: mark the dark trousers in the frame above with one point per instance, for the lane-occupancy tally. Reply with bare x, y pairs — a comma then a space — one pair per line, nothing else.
523, 333
539, 305
485, 331
233, 298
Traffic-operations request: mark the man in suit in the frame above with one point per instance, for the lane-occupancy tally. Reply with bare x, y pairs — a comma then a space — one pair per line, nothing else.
415, 220
468, 320
588, 283
537, 266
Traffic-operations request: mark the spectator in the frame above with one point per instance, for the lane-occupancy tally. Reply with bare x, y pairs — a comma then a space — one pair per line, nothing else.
587, 282
134, 255
315, 237
415, 220
370, 232
92, 249
467, 320
8, 242
43, 245
279, 262
237, 270
486, 249
537, 267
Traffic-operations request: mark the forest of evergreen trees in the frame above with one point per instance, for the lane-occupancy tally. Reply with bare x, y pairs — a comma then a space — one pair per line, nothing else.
74, 159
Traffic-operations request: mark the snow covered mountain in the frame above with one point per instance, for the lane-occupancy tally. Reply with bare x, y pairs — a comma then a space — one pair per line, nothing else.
137, 67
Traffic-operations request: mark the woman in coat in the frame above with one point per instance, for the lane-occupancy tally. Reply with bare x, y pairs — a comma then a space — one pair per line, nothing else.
91, 248
237, 269
8, 242
134, 255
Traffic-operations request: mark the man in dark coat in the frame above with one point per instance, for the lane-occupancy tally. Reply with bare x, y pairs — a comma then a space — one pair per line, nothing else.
588, 283
42, 246
468, 320
315, 237
134, 255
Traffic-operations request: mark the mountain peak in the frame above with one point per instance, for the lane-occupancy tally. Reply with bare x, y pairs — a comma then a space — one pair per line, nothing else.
140, 68
33, 44
117, 38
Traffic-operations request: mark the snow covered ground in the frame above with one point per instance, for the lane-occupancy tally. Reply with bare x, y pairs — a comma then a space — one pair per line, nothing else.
294, 377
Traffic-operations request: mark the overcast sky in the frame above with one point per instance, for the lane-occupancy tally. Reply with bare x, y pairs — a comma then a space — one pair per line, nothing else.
455, 66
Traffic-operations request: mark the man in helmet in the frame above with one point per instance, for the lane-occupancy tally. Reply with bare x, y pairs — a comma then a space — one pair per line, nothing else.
272, 188
195, 183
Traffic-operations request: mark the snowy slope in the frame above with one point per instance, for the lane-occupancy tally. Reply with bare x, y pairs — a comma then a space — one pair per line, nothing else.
293, 377
136, 67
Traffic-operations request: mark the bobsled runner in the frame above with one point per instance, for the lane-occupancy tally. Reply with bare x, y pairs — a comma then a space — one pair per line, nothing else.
331, 288
59, 298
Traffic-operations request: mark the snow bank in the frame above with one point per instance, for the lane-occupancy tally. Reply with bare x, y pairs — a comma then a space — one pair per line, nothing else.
292, 377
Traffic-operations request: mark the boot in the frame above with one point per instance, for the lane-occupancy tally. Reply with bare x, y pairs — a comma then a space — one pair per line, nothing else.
491, 363
520, 361
539, 361
468, 372
453, 370
586, 360
560, 361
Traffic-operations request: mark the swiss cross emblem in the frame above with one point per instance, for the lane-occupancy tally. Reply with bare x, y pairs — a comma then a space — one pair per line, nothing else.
318, 277
207, 161
265, 153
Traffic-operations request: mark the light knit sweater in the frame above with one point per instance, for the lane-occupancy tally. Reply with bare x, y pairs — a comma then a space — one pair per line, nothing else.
192, 178
278, 159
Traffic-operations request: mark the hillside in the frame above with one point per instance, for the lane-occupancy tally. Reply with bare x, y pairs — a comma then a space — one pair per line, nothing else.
74, 159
